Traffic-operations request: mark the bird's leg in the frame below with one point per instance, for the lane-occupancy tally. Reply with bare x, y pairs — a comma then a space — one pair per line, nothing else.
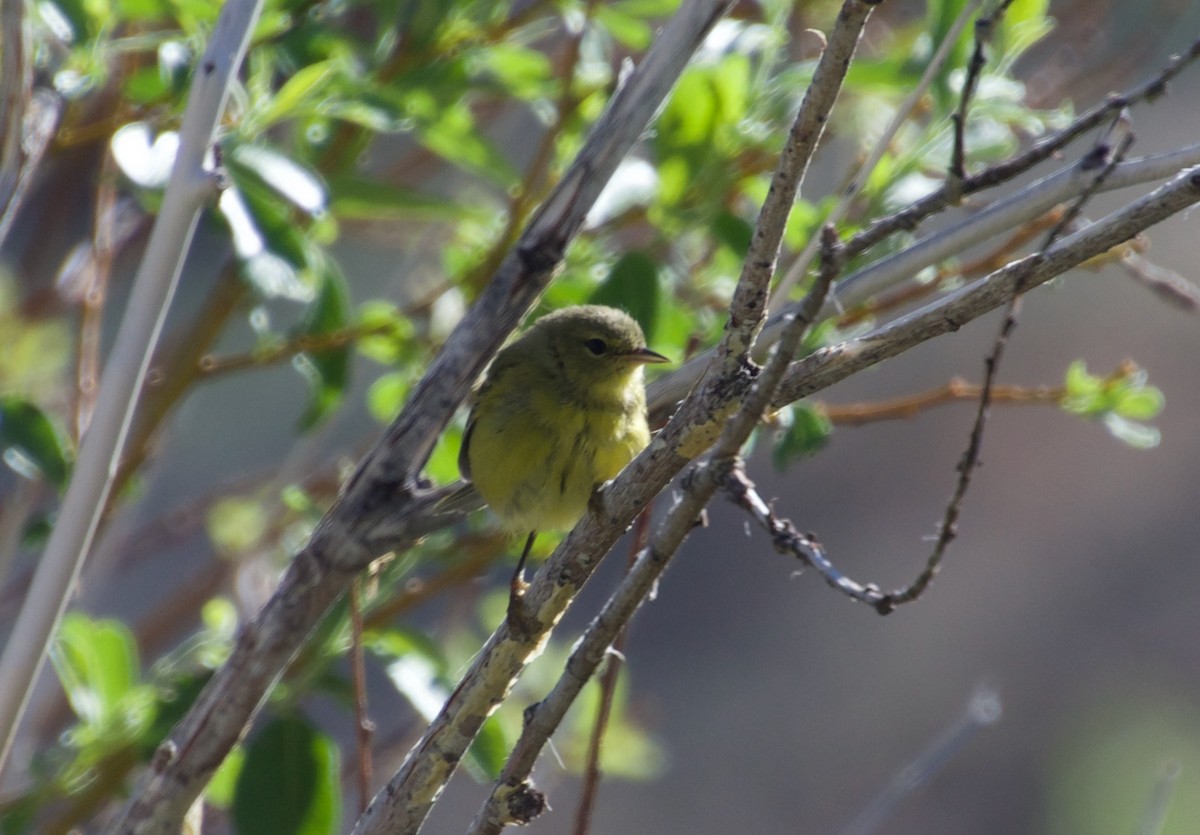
516, 589
518, 584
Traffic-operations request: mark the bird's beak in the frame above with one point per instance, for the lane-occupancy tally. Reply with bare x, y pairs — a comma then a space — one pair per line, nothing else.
645, 355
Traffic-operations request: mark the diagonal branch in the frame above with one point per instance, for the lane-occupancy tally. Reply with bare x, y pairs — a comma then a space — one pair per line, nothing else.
385, 504
403, 803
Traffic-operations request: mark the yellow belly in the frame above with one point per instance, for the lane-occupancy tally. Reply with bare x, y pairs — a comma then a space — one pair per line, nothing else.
538, 469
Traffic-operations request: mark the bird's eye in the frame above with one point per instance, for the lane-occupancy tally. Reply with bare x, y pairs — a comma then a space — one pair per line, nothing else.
596, 346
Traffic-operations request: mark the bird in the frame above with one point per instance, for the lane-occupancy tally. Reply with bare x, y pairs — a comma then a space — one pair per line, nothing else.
561, 410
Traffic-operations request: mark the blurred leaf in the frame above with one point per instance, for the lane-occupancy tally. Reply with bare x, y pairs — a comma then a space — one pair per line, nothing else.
451, 134
489, 750
627, 29
97, 663
1024, 23
397, 642
285, 176
633, 286
416, 677
386, 395
387, 332
173, 703
221, 789
272, 249
443, 463
25, 431
289, 782
359, 199
305, 89
1136, 435
733, 232
940, 17
235, 524
327, 371
805, 432
633, 185
144, 160
1119, 401
526, 73
1081, 386
1142, 404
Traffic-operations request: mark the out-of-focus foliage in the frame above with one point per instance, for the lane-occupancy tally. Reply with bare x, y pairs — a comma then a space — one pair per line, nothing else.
438, 125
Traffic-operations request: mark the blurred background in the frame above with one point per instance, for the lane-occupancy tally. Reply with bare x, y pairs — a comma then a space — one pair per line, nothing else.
755, 698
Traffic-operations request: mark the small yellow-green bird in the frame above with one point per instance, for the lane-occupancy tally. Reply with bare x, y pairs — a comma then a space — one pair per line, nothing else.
562, 410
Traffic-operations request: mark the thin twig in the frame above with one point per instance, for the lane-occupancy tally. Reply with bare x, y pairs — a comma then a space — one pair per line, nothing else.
901, 267
984, 28
948, 529
850, 193
16, 84
305, 343
1041, 150
983, 710
94, 295
364, 728
955, 391
1167, 284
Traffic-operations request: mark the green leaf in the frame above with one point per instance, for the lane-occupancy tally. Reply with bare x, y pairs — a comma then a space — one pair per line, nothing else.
1119, 400
627, 29
1083, 389
451, 133
524, 72
387, 332
97, 663
221, 789
1143, 404
27, 437
270, 246
235, 524
489, 750
327, 371
174, 701
733, 232
304, 90
289, 782
806, 431
633, 286
386, 395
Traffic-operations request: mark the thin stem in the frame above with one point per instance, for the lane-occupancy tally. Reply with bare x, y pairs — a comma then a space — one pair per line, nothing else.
364, 728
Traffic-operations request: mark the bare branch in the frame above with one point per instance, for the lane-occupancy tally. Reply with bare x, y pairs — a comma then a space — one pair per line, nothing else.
829, 365
969, 462
406, 799
800, 265
1021, 207
512, 790
1040, 152
984, 28
386, 504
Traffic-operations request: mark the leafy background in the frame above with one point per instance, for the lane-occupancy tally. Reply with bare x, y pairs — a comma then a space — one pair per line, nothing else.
753, 700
